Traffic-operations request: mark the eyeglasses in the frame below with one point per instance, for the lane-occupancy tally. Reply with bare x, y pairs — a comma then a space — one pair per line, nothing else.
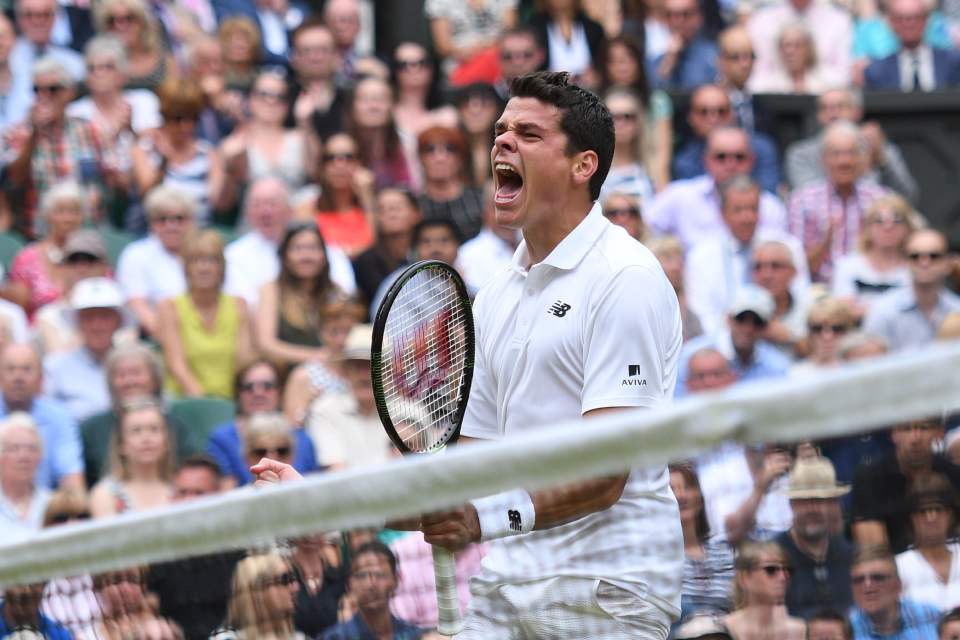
263, 385
510, 56
406, 65
627, 116
772, 570
817, 328
622, 212
720, 112
179, 218
82, 258
282, 580
723, 156
52, 89
346, 157
773, 265
37, 15
876, 578
740, 55
683, 13
932, 256
278, 452
881, 220
433, 147
120, 18
62, 518
269, 96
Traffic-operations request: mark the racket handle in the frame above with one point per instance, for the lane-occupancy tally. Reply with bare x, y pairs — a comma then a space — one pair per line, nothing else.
449, 621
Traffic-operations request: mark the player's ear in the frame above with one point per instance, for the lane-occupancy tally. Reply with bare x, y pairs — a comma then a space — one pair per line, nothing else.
585, 164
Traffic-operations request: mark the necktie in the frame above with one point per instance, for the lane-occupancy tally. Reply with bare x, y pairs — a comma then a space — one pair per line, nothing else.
915, 59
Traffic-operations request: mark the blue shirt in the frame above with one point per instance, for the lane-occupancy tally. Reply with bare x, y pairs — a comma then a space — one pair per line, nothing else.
76, 379
224, 447
356, 629
696, 65
688, 162
768, 361
62, 453
896, 317
50, 629
917, 622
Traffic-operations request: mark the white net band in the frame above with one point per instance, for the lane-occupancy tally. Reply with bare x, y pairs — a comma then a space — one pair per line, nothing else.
849, 400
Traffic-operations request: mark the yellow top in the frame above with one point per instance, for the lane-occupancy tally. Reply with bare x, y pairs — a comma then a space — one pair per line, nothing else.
211, 355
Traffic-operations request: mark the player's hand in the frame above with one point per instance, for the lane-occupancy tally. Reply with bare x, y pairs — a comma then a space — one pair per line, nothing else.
453, 530
269, 472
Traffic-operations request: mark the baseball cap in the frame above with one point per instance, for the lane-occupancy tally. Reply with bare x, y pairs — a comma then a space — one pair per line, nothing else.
358, 344
85, 241
752, 298
96, 293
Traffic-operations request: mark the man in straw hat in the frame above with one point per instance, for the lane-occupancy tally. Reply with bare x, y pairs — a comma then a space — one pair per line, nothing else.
820, 559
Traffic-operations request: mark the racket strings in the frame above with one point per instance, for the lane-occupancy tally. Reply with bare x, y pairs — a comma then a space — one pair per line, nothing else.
426, 348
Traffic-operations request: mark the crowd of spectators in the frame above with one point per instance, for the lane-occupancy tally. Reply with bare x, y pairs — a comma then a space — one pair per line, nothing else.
203, 201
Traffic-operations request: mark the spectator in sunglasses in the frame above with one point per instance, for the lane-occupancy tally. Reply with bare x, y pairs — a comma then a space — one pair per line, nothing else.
828, 321
911, 316
262, 599
881, 610
447, 194
763, 573
416, 82
270, 435
256, 391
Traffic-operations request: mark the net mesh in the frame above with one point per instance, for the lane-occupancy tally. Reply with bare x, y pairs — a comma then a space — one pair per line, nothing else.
275, 562
424, 358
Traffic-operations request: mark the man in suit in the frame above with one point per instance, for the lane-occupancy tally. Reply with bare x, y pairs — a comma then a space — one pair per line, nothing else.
916, 66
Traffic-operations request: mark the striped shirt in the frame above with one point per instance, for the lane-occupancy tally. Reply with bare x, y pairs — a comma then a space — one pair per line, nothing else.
815, 207
708, 581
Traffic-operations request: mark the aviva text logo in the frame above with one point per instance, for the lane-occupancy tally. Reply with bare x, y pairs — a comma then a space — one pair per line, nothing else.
633, 379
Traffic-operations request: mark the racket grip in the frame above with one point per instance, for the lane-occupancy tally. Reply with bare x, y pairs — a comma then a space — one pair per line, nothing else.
449, 621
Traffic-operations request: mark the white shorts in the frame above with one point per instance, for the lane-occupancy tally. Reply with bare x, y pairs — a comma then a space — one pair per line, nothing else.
561, 608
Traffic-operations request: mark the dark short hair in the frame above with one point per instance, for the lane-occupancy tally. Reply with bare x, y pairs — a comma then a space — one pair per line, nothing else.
831, 615
423, 225
201, 461
377, 547
584, 119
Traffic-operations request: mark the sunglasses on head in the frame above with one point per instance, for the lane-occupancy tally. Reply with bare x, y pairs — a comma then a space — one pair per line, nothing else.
263, 452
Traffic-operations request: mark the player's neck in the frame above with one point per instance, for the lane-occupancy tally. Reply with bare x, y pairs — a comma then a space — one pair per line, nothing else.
544, 237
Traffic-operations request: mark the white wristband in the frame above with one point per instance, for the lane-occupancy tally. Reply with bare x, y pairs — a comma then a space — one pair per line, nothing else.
505, 514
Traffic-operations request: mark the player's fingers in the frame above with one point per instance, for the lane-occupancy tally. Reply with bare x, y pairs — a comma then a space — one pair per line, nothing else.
449, 541
437, 517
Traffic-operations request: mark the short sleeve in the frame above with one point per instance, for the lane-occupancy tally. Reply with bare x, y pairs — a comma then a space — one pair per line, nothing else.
480, 419
131, 274
633, 342
66, 452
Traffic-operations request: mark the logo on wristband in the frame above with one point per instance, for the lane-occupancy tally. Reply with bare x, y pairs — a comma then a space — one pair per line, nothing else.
515, 523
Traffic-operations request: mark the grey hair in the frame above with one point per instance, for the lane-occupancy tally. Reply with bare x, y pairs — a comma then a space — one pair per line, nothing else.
107, 46
19, 420
268, 178
268, 424
739, 183
48, 65
60, 193
139, 351
858, 340
163, 199
779, 245
843, 127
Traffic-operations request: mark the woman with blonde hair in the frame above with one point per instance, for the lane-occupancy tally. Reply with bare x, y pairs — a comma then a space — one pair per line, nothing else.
762, 576
880, 262
262, 599
240, 42
205, 333
142, 462
134, 24
828, 321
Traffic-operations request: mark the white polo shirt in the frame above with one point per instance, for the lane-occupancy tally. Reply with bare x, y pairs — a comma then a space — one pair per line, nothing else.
596, 324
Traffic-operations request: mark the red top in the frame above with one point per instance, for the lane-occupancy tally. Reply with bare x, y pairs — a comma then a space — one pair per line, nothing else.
349, 230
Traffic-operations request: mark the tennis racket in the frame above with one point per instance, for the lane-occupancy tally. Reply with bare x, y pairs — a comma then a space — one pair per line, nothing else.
422, 365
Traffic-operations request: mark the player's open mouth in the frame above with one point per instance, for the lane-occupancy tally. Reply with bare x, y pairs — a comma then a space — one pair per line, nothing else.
509, 182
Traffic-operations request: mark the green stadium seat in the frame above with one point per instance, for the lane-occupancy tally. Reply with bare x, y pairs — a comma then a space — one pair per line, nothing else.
115, 240
10, 245
199, 416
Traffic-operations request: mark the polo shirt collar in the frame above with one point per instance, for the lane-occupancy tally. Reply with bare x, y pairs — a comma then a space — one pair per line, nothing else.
572, 249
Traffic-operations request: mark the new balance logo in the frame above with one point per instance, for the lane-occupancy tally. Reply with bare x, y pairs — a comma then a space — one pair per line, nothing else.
515, 524
633, 370
559, 309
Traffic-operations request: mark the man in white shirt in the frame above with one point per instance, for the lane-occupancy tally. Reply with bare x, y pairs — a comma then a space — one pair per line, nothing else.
593, 559
151, 268
690, 209
718, 266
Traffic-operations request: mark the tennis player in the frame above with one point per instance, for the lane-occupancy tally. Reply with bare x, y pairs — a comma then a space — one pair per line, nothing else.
583, 322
